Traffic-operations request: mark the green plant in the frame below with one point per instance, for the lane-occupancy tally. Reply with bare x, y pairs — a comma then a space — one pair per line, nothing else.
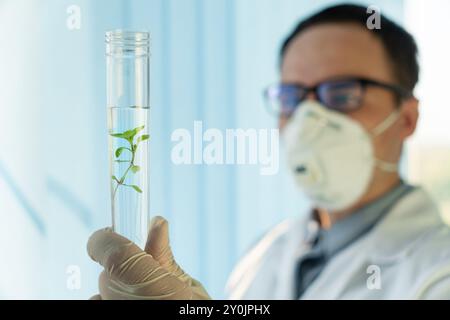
133, 144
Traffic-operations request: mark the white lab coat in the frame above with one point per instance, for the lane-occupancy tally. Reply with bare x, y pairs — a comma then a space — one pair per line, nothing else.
409, 247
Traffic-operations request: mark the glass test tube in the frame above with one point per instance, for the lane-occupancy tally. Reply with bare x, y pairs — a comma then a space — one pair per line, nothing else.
128, 103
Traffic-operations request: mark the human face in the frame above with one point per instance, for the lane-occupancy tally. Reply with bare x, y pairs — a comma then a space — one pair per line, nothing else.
336, 50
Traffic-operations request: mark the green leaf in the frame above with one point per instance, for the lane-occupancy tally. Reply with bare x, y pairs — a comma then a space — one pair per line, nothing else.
137, 188
139, 128
118, 135
115, 178
119, 151
131, 133
143, 138
122, 161
135, 169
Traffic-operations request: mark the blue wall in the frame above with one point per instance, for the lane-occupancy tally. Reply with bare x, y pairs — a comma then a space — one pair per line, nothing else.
210, 61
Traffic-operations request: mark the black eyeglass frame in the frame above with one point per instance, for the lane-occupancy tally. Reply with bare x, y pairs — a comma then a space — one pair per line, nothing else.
400, 92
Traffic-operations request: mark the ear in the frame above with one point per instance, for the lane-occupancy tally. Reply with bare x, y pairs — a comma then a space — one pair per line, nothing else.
409, 114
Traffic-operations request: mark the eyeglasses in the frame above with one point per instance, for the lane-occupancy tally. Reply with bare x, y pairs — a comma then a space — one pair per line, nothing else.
342, 95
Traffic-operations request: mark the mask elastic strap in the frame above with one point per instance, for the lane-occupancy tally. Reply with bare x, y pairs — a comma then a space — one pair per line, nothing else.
386, 124
386, 166
382, 127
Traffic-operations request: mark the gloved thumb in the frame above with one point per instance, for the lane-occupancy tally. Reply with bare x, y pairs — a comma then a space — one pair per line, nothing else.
158, 246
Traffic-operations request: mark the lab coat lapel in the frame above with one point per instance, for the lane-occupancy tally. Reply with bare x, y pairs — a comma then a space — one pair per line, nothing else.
412, 219
409, 221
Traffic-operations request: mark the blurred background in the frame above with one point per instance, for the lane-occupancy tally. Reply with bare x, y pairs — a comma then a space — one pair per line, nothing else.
210, 61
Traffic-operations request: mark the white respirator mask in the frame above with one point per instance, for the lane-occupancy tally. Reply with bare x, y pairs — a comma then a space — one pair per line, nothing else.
331, 155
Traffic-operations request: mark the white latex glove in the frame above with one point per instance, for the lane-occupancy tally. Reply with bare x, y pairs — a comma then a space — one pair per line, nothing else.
131, 273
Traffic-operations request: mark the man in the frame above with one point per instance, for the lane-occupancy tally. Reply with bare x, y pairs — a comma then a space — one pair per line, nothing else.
346, 107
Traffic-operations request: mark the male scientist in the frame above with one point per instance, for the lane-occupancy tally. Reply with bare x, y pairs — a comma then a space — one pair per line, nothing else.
346, 106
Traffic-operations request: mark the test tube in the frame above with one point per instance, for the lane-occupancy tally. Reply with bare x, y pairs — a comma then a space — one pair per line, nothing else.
128, 104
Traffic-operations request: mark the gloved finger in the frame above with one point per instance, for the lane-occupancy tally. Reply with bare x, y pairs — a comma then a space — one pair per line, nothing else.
158, 246
96, 297
198, 292
122, 259
171, 288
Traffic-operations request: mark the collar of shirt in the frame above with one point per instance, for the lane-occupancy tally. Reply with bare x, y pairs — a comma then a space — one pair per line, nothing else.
346, 231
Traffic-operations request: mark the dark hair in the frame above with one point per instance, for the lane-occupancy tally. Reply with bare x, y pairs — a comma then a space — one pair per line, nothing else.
400, 46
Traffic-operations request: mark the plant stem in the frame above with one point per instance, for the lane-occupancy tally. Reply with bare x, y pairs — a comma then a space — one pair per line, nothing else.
122, 179
128, 135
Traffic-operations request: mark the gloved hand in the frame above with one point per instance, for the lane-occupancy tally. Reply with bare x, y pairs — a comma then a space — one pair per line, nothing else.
131, 273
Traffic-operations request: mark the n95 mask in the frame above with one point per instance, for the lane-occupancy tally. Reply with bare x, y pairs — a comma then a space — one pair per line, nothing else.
331, 155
